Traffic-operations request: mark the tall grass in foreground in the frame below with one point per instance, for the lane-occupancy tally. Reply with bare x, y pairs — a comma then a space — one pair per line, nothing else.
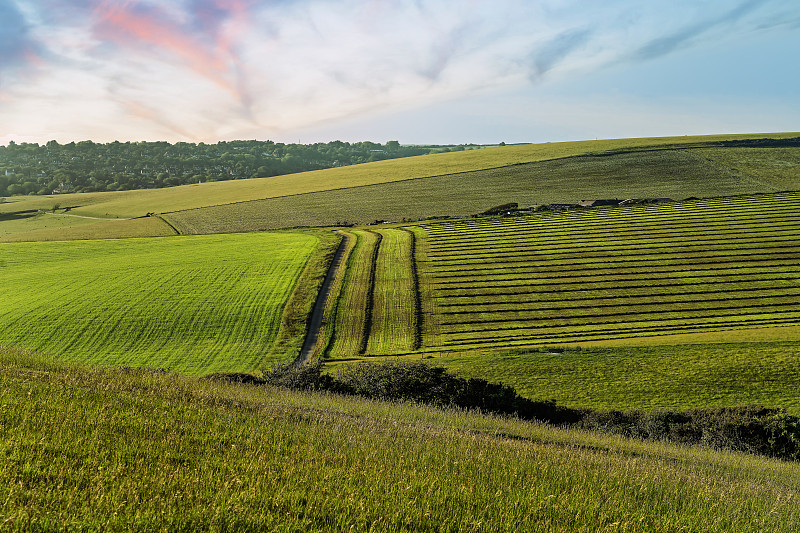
114, 450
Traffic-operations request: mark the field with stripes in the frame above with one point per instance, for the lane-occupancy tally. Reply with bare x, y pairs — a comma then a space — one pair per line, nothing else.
192, 304
572, 277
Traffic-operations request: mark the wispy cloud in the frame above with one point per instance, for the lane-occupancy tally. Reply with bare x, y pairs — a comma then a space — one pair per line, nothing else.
206, 69
17, 47
685, 35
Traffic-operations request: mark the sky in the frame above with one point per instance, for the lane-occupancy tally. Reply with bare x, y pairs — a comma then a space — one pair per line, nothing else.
416, 71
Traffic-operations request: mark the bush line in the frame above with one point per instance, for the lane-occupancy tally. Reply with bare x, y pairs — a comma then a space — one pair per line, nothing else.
753, 429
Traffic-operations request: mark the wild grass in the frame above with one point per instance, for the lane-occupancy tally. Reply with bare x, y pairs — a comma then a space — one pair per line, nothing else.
194, 304
113, 450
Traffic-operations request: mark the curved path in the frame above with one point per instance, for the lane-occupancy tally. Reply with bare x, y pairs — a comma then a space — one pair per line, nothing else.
307, 351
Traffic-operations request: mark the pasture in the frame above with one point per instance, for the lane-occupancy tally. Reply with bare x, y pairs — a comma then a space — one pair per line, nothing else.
193, 304
120, 450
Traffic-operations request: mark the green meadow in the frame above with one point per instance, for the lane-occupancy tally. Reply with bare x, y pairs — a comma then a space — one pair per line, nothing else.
94, 449
193, 304
106, 327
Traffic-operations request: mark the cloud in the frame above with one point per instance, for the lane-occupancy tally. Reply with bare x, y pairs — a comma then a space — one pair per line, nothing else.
549, 55
17, 48
684, 36
207, 69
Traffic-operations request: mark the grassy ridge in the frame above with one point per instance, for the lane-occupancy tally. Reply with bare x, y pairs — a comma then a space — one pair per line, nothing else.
658, 174
101, 449
138, 203
195, 304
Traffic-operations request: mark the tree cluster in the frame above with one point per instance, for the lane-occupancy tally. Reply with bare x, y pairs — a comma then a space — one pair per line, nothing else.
86, 166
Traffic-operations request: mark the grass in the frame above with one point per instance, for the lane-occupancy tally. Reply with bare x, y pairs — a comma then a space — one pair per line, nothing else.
778, 167
676, 377
351, 319
601, 274
44, 227
103, 449
138, 203
674, 174
394, 301
194, 304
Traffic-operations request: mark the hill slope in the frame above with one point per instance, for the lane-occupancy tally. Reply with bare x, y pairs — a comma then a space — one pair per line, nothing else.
140, 451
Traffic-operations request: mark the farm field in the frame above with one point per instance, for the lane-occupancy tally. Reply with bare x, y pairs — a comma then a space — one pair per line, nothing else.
141, 450
49, 227
602, 274
125, 204
676, 174
193, 304
777, 166
704, 265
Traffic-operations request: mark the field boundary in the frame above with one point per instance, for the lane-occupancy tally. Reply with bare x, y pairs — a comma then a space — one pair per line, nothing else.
318, 312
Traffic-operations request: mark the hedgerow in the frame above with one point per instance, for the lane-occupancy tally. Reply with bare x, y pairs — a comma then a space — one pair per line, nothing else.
754, 429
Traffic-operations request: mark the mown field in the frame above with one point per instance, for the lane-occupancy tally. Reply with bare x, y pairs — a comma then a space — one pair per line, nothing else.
677, 305
194, 304
588, 275
113, 450
710, 264
676, 174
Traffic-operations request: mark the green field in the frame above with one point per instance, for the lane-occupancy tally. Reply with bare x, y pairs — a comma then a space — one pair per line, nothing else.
704, 265
105, 449
676, 377
124, 204
194, 304
676, 174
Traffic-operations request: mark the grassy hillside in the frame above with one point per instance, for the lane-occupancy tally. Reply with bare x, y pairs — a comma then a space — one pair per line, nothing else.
674, 174
138, 203
194, 304
127, 451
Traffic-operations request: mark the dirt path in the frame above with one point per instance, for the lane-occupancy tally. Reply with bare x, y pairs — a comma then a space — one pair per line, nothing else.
307, 351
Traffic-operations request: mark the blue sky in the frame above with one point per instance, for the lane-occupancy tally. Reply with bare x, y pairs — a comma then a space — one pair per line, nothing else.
418, 71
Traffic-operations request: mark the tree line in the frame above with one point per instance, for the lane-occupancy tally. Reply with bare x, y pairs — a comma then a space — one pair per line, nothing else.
86, 166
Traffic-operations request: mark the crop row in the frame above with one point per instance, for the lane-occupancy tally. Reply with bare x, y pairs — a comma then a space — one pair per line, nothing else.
712, 264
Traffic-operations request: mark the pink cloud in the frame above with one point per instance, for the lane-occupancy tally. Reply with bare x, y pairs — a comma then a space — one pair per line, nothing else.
209, 55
